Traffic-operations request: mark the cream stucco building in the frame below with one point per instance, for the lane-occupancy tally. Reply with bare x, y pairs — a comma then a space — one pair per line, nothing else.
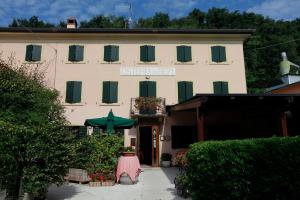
106, 69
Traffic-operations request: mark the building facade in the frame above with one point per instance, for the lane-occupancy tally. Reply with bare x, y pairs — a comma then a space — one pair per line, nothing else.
96, 70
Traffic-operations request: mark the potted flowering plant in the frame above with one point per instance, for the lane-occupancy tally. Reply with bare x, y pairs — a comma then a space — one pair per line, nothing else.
128, 151
147, 105
108, 179
96, 179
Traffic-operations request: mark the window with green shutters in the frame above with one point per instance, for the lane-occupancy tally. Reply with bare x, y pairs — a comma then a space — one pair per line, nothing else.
147, 89
111, 53
218, 54
221, 87
73, 91
185, 90
76, 53
147, 53
184, 53
33, 53
110, 92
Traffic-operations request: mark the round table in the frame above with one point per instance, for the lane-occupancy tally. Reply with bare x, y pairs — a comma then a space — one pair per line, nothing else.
129, 165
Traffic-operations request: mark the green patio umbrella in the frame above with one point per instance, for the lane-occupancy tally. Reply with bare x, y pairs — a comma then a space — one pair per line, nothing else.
110, 123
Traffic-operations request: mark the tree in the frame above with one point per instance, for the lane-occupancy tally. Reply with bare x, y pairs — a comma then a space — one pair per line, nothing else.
36, 148
102, 21
33, 22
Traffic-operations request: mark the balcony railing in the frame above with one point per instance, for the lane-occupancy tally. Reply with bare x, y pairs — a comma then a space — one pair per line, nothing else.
149, 106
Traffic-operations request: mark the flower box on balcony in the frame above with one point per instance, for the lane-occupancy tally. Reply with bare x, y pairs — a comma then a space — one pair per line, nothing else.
147, 105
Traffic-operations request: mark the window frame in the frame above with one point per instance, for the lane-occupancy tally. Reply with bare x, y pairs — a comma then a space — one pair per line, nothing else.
109, 100
34, 47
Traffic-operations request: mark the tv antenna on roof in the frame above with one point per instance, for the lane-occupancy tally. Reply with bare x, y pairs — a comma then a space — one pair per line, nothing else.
130, 21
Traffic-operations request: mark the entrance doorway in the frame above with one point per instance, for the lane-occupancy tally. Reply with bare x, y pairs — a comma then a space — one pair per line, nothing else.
148, 145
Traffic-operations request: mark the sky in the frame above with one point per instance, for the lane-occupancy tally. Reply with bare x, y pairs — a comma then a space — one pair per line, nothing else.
58, 10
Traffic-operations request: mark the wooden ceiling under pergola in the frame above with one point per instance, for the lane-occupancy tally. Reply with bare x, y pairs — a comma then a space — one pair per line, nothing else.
266, 103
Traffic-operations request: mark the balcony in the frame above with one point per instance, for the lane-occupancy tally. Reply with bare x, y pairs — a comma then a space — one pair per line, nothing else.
148, 106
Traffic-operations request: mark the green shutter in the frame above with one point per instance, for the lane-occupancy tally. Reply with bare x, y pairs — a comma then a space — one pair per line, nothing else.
143, 89
106, 92
114, 53
225, 88
73, 91
69, 91
113, 93
151, 89
28, 56
79, 53
180, 54
217, 87
151, 53
222, 54
215, 54
144, 53
107, 53
77, 92
181, 91
36, 53
188, 90
72, 53
187, 54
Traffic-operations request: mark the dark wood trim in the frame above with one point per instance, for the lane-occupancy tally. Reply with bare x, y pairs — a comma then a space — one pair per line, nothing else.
156, 152
283, 123
186, 106
200, 125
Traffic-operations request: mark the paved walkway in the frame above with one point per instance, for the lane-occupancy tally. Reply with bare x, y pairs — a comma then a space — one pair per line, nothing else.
154, 184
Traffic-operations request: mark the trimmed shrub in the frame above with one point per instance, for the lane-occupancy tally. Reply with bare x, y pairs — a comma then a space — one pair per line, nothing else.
245, 169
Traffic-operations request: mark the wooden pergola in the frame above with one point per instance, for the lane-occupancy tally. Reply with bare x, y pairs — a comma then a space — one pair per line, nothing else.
270, 106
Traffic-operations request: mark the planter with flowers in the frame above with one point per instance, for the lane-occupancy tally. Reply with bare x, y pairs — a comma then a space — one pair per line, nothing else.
128, 151
108, 179
96, 179
147, 105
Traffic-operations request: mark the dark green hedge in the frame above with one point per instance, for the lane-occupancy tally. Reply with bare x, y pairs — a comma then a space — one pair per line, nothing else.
245, 169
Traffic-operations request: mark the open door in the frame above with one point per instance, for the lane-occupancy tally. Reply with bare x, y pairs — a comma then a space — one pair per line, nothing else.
149, 145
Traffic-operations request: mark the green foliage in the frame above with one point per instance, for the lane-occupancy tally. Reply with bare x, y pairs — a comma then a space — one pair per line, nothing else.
31, 22
98, 153
166, 157
245, 169
102, 21
34, 143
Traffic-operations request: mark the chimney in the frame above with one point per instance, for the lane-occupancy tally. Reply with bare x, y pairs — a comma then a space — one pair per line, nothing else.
72, 22
285, 70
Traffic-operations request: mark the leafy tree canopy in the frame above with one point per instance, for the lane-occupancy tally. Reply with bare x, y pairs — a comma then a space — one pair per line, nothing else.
34, 21
35, 146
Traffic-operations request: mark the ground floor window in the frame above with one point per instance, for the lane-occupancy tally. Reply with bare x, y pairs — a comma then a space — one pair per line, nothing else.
183, 136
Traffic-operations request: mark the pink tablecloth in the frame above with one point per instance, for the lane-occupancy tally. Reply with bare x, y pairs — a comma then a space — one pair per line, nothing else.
130, 165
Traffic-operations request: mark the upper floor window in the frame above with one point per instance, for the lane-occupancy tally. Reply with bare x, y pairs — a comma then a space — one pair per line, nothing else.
76, 53
147, 89
185, 90
111, 53
147, 53
110, 92
221, 87
218, 54
184, 53
33, 53
73, 91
